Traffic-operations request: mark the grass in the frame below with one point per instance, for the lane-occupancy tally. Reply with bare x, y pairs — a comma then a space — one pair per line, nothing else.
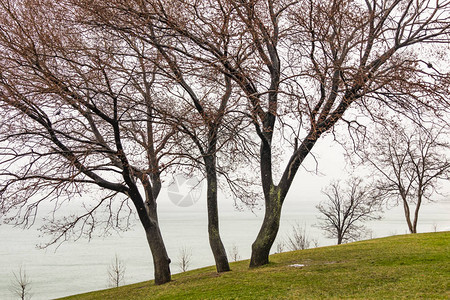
399, 267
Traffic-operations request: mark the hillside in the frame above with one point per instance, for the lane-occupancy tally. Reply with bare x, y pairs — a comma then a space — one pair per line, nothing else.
402, 267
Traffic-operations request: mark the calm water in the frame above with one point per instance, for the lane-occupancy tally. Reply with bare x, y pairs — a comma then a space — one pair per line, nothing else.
82, 266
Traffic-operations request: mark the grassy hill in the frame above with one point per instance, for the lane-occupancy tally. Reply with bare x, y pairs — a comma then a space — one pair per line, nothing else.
402, 267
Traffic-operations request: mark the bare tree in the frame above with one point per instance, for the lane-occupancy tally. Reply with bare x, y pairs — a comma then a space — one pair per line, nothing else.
116, 272
21, 285
184, 258
280, 246
234, 253
79, 114
303, 64
346, 208
211, 116
298, 239
411, 161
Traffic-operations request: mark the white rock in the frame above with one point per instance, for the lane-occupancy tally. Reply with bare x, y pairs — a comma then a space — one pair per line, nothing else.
297, 265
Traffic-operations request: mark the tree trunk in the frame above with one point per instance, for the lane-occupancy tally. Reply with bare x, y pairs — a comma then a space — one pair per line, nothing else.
161, 260
274, 197
215, 242
408, 215
149, 219
339, 238
416, 212
269, 229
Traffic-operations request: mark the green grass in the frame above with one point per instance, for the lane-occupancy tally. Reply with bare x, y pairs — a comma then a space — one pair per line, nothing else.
401, 267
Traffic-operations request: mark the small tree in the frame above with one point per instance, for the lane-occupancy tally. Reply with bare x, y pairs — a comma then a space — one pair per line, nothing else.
21, 284
298, 240
184, 259
410, 161
116, 272
315, 242
234, 253
280, 247
346, 208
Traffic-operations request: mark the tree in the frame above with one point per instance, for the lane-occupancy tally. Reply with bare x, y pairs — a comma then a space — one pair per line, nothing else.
116, 272
410, 161
346, 208
303, 64
79, 115
211, 117
184, 259
21, 285
234, 253
298, 239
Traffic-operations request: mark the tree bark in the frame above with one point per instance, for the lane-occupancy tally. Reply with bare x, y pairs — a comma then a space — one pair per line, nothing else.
416, 212
148, 216
274, 195
217, 248
161, 260
269, 229
340, 235
408, 215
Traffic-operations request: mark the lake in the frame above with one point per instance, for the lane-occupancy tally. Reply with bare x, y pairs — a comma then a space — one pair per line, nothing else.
82, 266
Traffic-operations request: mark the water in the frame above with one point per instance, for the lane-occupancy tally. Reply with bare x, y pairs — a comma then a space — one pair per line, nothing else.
82, 266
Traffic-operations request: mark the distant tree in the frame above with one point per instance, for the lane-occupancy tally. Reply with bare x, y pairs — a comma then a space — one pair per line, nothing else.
234, 253
116, 272
346, 208
298, 239
184, 258
280, 246
21, 285
411, 161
